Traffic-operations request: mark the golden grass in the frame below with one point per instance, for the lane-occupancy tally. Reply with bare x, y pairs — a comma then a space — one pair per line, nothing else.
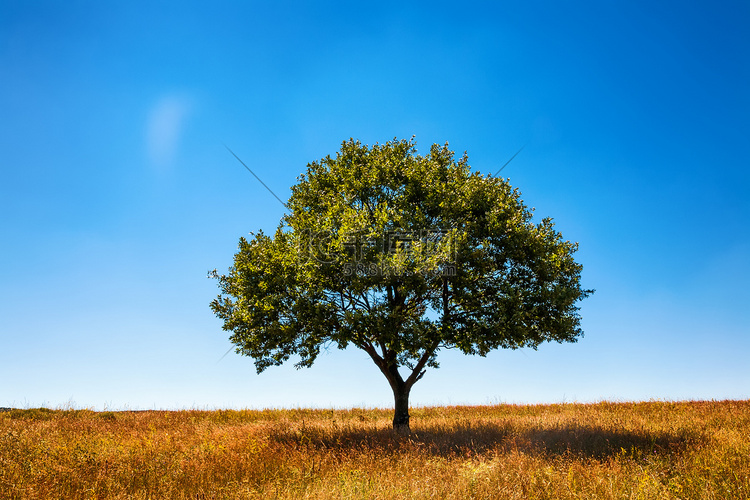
604, 450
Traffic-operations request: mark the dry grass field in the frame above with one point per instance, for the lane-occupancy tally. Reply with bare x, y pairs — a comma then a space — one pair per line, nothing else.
604, 450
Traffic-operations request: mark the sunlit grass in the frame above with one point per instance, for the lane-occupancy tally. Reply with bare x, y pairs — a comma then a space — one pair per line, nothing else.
604, 450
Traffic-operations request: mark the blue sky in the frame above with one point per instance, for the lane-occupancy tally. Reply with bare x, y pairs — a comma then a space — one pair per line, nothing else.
118, 196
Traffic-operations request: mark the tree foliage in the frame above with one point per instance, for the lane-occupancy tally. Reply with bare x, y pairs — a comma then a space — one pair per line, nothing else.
400, 255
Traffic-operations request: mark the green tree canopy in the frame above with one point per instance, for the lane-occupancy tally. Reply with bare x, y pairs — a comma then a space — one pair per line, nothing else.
400, 255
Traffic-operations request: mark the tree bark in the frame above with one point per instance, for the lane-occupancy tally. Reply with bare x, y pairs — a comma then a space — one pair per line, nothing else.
401, 412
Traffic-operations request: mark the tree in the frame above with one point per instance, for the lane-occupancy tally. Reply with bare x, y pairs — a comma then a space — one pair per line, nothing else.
400, 255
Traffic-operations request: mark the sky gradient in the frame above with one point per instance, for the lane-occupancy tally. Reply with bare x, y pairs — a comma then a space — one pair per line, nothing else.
118, 195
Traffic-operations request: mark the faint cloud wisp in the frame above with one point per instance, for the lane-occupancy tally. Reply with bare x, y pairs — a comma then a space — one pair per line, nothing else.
164, 128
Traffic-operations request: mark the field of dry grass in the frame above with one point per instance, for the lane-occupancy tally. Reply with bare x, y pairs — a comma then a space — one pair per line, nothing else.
604, 450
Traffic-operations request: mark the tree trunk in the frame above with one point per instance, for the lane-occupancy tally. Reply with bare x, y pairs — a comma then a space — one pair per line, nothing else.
401, 413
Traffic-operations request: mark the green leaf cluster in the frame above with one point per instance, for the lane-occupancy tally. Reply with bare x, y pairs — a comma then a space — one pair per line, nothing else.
400, 255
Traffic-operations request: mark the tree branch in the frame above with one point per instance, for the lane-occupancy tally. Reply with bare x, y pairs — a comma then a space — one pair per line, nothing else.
417, 373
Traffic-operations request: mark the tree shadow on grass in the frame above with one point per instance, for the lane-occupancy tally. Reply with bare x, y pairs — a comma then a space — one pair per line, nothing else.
486, 438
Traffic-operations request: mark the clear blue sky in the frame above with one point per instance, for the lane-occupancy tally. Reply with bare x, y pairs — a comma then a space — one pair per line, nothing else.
117, 195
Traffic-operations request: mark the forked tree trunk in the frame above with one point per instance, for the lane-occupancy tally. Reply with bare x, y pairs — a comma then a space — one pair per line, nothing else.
401, 412
399, 386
